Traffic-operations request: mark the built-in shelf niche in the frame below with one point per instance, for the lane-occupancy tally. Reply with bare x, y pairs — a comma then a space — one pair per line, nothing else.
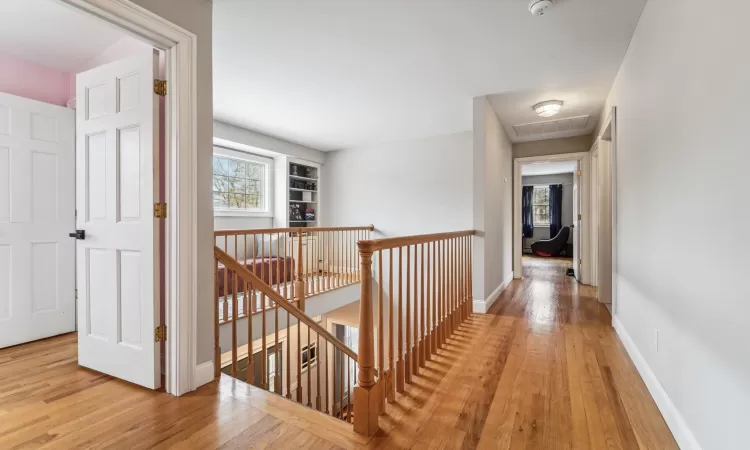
303, 187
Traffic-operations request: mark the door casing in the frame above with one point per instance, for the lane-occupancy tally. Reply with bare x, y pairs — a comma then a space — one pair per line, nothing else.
182, 374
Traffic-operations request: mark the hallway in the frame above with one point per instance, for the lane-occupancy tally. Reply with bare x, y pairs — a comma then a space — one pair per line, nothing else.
542, 370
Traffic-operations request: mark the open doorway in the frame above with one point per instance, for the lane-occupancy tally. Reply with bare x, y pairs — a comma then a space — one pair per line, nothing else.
82, 167
550, 199
547, 209
603, 210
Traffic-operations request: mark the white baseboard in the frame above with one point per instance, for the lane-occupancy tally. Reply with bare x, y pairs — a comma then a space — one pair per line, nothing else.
204, 374
676, 423
483, 305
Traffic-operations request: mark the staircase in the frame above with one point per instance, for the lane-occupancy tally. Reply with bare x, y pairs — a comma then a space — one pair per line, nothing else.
414, 292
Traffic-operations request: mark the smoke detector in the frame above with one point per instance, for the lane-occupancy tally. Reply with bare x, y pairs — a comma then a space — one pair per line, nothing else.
538, 7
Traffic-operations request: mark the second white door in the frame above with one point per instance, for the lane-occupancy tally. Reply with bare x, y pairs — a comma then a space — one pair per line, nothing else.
37, 166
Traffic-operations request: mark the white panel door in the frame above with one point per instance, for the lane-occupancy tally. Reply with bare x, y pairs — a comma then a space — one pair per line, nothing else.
116, 187
37, 211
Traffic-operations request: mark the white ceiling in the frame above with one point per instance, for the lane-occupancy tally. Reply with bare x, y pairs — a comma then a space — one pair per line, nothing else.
53, 34
548, 168
342, 73
515, 108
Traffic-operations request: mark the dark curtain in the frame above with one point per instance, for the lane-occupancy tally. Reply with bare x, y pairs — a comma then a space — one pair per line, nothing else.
527, 215
555, 209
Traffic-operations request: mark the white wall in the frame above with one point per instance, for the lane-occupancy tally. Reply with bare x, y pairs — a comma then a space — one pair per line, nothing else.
227, 132
566, 179
548, 147
493, 204
241, 222
682, 266
403, 188
195, 16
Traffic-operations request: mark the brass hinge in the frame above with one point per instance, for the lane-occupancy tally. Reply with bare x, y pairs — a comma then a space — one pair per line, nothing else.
579, 217
160, 87
580, 262
579, 173
160, 210
160, 333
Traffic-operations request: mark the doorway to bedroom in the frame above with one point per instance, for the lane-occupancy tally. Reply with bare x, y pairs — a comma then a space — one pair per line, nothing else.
548, 196
547, 209
81, 181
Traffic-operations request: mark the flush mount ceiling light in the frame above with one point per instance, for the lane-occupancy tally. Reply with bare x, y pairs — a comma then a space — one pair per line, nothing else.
548, 108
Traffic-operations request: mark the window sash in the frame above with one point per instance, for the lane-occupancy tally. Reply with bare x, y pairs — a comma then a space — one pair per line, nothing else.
309, 356
240, 184
540, 206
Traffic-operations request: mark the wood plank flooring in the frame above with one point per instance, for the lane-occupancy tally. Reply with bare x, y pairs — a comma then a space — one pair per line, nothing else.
542, 370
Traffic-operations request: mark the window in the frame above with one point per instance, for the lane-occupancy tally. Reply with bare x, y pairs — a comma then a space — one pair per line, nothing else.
351, 337
540, 205
309, 356
241, 183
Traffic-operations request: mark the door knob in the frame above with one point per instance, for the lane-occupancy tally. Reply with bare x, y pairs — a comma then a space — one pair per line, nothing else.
79, 234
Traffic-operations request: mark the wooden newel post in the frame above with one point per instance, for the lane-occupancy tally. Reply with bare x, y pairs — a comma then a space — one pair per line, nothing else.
366, 395
299, 285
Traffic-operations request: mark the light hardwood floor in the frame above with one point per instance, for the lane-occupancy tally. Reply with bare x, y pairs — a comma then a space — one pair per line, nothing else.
542, 370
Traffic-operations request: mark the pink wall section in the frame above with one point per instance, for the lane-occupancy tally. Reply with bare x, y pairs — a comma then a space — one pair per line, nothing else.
37, 82
126, 46
26, 79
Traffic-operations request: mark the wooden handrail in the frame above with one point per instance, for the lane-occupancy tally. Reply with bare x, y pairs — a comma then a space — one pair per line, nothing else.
291, 230
232, 264
402, 241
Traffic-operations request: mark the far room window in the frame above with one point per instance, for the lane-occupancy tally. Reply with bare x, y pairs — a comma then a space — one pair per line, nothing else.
540, 205
241, 183
309, 356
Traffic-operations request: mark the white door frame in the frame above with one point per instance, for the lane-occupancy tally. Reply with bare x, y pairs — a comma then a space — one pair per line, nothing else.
585, 163
594, 211
180, 173
608, 132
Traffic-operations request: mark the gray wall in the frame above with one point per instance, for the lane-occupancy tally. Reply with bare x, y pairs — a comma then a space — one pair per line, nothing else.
566, 179
403, 188
682, 157
195, 16
233, 133
241, 223
548, 147
493, 203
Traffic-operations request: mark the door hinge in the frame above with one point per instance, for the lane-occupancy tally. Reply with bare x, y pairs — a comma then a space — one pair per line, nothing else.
76, 294
580, 262
579, 173
160, 333
579, 217
160, 210
160, 87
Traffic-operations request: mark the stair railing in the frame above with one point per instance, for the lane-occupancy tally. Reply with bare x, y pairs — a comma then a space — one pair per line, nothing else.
423, 290
302, 362
295, 262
